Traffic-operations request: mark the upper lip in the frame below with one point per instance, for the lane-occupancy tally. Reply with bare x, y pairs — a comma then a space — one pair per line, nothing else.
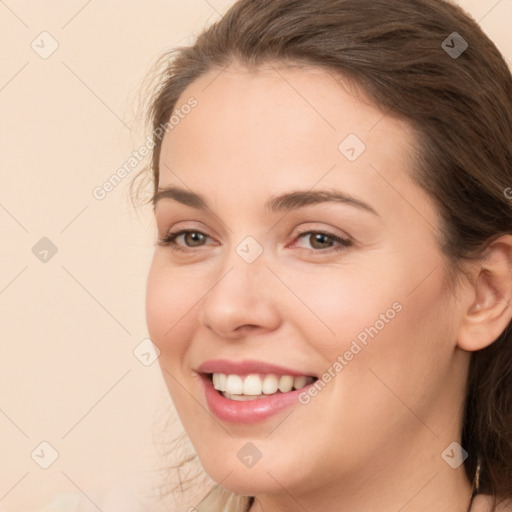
248, 367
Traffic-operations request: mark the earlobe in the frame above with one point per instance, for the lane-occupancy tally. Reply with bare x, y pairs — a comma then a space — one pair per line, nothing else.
490, 310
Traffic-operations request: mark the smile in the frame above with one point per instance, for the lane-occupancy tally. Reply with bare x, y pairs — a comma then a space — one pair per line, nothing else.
256, 386
250, 392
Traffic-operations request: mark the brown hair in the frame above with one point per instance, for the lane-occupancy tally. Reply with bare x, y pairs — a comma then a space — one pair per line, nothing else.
460, 107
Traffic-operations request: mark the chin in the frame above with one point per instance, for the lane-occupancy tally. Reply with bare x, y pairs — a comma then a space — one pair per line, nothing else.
227, 468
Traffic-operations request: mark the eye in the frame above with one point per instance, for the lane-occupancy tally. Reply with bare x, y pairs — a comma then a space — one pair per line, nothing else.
319, 239
194, 237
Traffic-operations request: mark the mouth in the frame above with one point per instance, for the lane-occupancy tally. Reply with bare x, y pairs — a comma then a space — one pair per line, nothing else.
251, 392
256, 386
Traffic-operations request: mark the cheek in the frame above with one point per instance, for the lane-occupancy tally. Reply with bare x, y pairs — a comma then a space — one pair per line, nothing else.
170, 298
383, 322
171, 319
334, 305
410, 356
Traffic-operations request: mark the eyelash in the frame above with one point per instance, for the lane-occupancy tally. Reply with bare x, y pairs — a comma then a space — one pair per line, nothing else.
169, 240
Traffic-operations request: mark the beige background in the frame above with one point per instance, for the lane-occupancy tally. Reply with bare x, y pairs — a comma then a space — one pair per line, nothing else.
68, 374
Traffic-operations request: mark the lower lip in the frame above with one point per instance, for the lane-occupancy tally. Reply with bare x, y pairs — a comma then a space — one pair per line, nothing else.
249, 411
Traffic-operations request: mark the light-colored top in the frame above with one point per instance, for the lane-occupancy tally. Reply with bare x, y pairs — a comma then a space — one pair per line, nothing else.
68, 502
113, 499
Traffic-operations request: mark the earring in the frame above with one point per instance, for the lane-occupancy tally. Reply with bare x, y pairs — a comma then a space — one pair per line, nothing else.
476, 482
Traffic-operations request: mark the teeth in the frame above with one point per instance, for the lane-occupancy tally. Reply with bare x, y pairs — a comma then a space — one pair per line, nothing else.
270, 384
285, 383
300, 382
241, 398
252, 386
222, 381
234, 385
215, 379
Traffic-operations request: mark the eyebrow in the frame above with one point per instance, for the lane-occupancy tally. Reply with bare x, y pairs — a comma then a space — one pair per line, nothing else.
284, 202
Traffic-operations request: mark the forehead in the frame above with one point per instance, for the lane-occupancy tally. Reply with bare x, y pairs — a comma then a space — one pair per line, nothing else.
278, 126
283, 109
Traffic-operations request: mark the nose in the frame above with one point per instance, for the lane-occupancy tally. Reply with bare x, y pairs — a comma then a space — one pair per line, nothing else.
241, 301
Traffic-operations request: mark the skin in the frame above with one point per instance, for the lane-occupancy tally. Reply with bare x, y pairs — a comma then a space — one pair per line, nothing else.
373, 437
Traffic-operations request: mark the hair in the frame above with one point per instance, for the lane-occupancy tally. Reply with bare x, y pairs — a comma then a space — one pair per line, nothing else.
459, 108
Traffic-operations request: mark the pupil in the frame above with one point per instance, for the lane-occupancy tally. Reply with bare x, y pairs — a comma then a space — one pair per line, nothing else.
195, 237
319, 237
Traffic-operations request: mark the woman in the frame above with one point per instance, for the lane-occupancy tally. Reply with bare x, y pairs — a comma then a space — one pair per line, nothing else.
331, 289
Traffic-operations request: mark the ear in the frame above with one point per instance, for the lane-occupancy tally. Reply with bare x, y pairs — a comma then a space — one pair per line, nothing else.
490, 298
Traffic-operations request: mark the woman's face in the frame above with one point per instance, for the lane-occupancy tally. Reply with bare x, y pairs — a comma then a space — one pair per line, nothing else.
350, 291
